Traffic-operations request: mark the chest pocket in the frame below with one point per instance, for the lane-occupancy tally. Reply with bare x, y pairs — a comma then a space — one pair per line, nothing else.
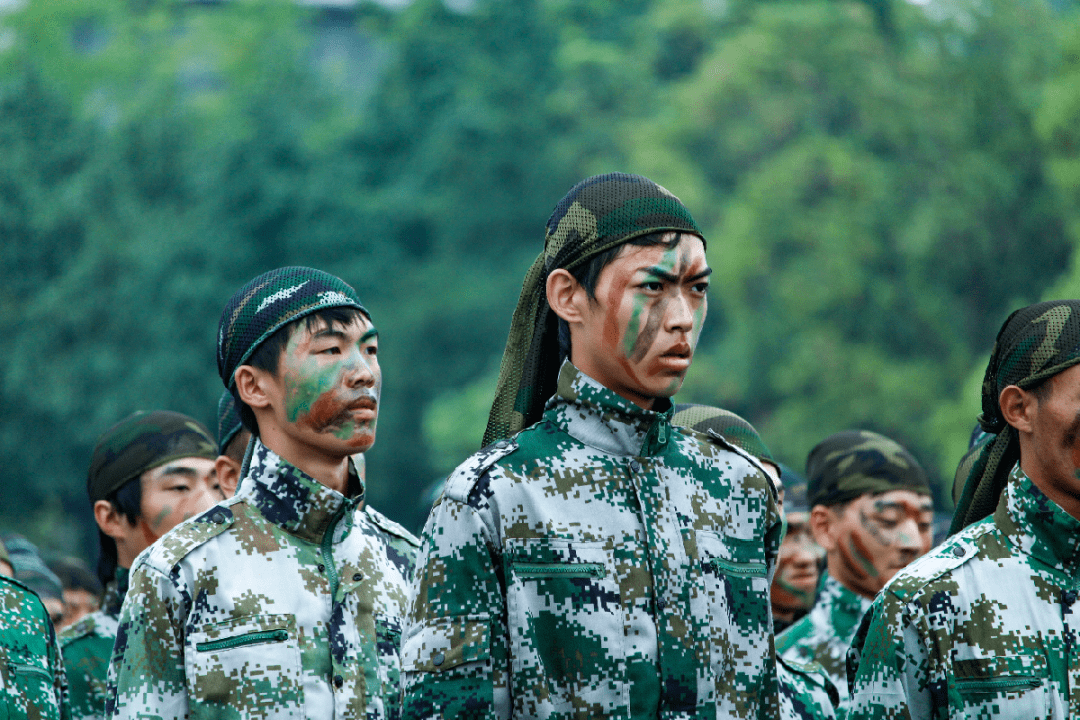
566, 625
31, 685
1016, 685
250, 664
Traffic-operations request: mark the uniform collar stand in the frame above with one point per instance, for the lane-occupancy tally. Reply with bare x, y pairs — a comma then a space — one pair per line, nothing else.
1037, 526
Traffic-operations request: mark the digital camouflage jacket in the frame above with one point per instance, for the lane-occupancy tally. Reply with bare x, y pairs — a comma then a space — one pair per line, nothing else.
983, 626
806, 693
32, 681
285, 601
87, 647
601, 564
825, 633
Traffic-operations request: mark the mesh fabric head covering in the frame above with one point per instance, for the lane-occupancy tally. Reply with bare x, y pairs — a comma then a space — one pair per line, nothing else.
30, 569
856, 462
597, 214
730, 426
269, 302
1035, 343
142, 441
228, 421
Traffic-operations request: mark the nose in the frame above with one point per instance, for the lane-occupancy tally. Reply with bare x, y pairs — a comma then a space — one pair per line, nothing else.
208, 498
680, 313
907, 536
359, 370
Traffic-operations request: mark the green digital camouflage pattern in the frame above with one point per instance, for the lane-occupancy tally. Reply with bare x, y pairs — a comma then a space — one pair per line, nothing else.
600, 564
983, 626
825, 633
733, 428
285, 601
851, 463
32, 681
87, 648
806, 693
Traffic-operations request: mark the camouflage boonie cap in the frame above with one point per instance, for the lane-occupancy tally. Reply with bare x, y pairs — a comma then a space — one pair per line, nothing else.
733, 428
599, 213
228, 421
856, 462
142, 441
271, 301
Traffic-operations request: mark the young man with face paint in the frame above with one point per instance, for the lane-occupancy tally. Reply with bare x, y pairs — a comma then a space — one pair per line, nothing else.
593, 560
287, 599
871, 511
148, 473
986, 625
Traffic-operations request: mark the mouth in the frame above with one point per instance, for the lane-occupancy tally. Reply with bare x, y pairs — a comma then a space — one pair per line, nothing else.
363, 408
677, 357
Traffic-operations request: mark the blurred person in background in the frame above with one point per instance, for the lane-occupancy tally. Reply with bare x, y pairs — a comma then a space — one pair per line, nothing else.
872, 513
82, 590
5, 562
798, 569
232, 439
148, 473
31, 571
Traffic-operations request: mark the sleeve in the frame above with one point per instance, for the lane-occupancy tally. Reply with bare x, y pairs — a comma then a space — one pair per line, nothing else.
889, 665
146, 674
454, 652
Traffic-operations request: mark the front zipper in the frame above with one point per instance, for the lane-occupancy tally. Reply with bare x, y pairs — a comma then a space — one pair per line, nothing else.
739, 569
327, 556
530, 570
241, 640
985, 685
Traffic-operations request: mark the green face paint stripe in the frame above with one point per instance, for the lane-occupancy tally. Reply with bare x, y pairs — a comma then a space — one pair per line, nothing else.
165, 512
306, 384
633, 327
367, 337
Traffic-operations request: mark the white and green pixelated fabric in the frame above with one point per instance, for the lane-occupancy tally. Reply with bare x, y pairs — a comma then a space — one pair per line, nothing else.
32, 680
284, 602
600, 564
983, 626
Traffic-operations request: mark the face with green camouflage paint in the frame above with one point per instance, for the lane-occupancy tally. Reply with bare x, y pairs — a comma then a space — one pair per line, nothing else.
174, 492
874, 536
638, 336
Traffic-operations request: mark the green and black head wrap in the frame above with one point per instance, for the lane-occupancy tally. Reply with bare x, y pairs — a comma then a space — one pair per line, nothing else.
271, 301
856, 462
597, 214
228, 421
1035, 343
142, 441
733, 428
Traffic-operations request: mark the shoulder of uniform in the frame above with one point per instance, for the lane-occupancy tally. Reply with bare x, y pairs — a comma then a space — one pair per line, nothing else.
711, 440
793, 635
389, 526
76, 631
464, 478
22, 589
175, 545
940, 561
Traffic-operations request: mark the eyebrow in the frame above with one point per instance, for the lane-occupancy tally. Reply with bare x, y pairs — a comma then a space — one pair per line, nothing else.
369, 335
665, 275
179, 470
923, 507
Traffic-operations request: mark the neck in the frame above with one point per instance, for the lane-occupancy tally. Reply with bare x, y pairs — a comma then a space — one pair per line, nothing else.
590, 368
1068, 503
331, 471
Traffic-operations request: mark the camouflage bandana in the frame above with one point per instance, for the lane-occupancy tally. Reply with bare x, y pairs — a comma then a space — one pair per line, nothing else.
597, 214
228, 421
1035, 343
734, 429
856, 462
142, 441
269, 302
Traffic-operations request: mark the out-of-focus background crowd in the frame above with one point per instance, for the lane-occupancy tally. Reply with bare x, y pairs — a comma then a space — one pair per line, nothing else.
880, 183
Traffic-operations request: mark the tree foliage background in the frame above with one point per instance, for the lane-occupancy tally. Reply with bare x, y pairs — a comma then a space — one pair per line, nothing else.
880, 182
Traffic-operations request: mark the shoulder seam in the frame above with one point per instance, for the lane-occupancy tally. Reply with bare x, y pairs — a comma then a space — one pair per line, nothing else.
462, 480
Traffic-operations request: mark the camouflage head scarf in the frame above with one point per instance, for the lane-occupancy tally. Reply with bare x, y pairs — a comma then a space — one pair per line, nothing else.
734, 429
269, 302
1035, 343
856, 462
228, 421
142, 441
598, 213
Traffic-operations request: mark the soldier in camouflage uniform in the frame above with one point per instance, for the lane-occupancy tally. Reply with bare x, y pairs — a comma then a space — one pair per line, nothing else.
122, 486
594, 561
871, 511
286, 600
985, 625
232, 438
32, 682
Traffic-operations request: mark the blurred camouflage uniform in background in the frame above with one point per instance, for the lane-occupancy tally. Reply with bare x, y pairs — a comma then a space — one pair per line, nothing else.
32, 681
87, 647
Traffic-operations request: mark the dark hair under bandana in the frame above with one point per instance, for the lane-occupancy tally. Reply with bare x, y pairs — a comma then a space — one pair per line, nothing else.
732, 427
856, 462
142, 441
228, 421
598, 213
1035, 343
271, 301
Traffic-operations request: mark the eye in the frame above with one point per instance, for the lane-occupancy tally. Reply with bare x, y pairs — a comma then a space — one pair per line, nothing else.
652, 285
330, 351
701, 287
372, 350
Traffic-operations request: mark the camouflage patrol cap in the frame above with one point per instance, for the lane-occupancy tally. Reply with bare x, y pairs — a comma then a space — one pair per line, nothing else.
1035, 343
856, 462
599, 213
268, 303
733, 428
228, 421
142, 441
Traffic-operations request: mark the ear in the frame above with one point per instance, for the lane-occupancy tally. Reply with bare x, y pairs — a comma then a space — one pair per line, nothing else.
252, 386
1018, 407
822, 526
111, 522
566, 295
228, 474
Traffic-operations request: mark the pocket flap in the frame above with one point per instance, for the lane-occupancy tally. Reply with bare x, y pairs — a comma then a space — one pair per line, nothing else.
445, 643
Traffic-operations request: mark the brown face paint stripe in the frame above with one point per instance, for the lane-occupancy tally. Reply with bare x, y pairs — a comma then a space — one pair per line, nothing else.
647, 337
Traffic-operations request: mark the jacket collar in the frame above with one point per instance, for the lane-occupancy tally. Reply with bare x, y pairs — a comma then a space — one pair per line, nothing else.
603, 419
115, 592
1037, 526
293, 500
